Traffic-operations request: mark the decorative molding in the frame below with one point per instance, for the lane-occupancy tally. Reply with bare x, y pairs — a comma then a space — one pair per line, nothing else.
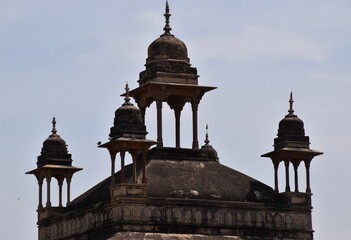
223, 218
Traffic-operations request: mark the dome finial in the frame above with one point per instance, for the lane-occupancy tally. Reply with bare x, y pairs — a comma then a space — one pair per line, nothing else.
54, 131
127, 98
207, 141
291, 101
167, 15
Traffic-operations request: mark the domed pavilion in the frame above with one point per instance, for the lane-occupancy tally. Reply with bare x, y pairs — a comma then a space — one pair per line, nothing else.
175, 192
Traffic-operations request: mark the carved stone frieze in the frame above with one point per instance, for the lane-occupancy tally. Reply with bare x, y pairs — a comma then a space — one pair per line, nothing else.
224, 219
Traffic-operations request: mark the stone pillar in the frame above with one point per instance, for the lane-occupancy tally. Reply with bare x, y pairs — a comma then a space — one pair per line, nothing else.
134, 158
194, 106
142, 106
48, 202
296, 165
144, 156
142, 111
308, 184
113, 168
287, 186
68, 180
40, 183
177, 112
123, 154
276, 166
159, 123
60, 183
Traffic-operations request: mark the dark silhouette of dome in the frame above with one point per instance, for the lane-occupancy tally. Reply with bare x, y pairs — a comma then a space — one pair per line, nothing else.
208, 151
128, 121
54, 150
167, 48
291, 132
291, 125
168, 55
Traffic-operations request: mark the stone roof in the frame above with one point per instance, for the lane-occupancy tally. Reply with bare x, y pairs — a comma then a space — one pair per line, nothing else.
187, 179
208, 180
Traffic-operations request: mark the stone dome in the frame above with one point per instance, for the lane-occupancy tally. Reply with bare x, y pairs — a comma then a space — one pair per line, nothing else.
167, 48
208, 151
54, 150
291, 125
128, 121
291, 132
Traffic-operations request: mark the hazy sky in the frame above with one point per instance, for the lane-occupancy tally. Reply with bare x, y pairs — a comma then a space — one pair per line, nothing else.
71, 60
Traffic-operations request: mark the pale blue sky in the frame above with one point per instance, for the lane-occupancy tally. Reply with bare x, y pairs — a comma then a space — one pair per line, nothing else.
71, 59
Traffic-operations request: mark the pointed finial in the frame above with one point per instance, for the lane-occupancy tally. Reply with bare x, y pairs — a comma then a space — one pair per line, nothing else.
54, 131
167, 15
127, 98
291, 101
207, 141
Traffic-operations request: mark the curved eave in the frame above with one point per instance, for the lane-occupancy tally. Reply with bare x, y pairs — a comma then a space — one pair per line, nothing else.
293, 153
182, 89
54, 168
130, 143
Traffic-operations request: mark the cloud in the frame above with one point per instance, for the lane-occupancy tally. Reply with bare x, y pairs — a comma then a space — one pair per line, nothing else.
260, 42
109, 50
330, 78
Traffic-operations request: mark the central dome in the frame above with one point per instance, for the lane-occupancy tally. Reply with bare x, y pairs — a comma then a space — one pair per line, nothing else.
167, 48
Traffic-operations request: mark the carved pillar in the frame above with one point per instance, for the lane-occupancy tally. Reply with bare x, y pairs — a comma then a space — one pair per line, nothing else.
287, 187
296, 165
68, 180
159, 123
60, 183
194, 106
276, 166
177, 112
40, 183
48, 202
123, 154
308, 184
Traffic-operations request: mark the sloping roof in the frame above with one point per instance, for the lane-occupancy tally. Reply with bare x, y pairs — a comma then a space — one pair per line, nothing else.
206, 180
99, 193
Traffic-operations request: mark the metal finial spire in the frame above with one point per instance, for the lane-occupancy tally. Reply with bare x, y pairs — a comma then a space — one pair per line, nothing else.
54, 131
167, 15
127, 98
291, 101
207, 141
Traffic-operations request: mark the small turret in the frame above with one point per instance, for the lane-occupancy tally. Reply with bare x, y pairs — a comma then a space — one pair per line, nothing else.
292, 146
291, 132
53, 162
128, 135
54, 150
207, 149
128, 121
